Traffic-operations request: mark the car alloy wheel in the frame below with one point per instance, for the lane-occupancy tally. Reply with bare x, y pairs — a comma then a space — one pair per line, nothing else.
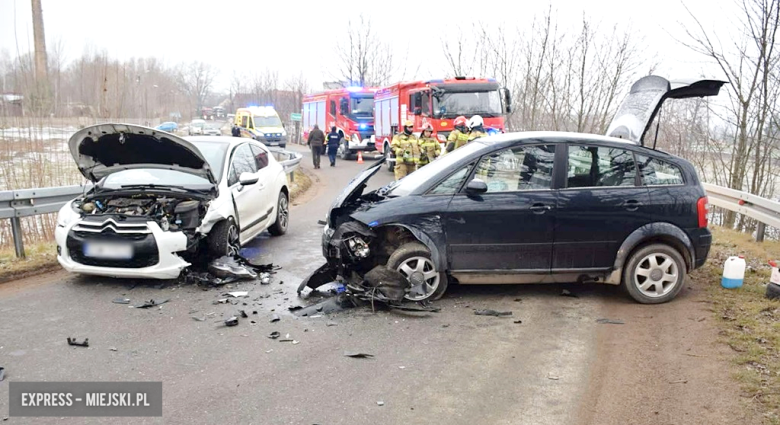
284, 212
422, 276
656, 275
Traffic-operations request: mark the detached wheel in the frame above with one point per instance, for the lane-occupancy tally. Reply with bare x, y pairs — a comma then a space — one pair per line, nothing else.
223, 239
413, 260
282, 216
654, 274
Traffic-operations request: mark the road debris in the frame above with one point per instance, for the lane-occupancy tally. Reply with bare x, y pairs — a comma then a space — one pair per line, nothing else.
329, 324
2, 374
681, 381
265, 278
224, 267
121, 301
295, 307
380, 403
233, 321
553, 377
495, 313
274, 335
518, 322
243, 314
567, 293
518, 300
199, 319
112, 349
152, 303
610, 322
238, 294
73, 342
275, 318
357, 355
288, 339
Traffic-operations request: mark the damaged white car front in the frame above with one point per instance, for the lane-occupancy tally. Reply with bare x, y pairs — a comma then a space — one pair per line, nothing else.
144, 216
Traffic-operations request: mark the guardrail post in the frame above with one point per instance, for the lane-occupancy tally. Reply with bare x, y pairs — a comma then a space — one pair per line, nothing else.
760, 230
16, 230
292, 176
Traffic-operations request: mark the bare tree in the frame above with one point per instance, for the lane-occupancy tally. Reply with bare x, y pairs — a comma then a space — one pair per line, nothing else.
42, 88
364, 59
195, 80
750, 62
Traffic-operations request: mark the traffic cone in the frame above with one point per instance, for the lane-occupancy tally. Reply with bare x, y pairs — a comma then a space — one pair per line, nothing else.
360, 157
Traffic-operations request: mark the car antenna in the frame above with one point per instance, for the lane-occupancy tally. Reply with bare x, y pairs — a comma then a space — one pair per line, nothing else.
657, 127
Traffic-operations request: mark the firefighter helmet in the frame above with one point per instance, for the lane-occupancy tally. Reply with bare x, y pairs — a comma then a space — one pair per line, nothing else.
408, 123
460, 121
427, 127
475, 121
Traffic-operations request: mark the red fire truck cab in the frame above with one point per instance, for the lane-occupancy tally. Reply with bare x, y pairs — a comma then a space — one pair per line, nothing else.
437, 102
350, 109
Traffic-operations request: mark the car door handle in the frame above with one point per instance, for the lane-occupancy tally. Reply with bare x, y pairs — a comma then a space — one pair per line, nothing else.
540, 208
632, 205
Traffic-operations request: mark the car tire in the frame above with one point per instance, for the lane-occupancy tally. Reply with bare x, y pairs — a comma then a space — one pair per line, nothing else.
654, 274
282, 216
344, 152
414, 261
223, 239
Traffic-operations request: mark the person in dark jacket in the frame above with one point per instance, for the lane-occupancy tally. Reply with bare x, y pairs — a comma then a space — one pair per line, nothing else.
235, 131
334, 140
316, 141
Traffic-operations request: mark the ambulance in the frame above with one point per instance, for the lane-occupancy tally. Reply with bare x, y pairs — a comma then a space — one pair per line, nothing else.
263, 124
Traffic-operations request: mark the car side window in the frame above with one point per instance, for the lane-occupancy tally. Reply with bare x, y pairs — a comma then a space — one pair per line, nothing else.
451, 184
242, 162
261, 156
655, 172
600, 166
519, 168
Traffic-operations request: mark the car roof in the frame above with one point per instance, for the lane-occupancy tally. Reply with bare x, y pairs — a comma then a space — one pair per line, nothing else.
561, 136
231, 142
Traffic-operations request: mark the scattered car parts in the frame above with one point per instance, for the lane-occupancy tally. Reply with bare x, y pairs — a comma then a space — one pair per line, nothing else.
73, 342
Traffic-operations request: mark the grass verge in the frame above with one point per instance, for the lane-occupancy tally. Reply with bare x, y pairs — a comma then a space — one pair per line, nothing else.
749, 323
42, 256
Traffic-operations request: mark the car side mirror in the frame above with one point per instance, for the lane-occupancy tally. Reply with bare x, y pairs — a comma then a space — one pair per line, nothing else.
476, 186
247, 179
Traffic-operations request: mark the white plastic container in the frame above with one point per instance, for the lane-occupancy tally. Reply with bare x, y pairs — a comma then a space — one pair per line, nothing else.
733, 272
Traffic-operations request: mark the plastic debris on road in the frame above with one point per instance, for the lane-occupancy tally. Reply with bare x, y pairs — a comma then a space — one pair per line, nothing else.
495, 313
73, 342
357, 355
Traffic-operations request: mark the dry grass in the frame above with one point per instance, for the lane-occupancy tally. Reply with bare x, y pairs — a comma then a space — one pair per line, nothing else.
41, 257
749, 323
301, 182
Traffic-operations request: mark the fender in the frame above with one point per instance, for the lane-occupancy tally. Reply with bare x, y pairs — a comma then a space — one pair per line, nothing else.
439, 256
644, 233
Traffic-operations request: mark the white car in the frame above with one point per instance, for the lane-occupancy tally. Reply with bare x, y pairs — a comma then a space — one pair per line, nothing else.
212, 130
196, 127
159, 201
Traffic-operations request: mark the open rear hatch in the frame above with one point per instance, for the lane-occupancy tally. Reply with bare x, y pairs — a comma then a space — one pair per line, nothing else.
635, 115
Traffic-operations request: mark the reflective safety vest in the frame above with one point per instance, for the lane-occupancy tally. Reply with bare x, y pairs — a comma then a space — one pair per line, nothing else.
430, 149
476, 135
406, 148
459, 138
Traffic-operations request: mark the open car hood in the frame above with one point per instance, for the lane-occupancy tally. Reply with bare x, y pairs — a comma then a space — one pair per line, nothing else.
355, 187
102, 149
644, 100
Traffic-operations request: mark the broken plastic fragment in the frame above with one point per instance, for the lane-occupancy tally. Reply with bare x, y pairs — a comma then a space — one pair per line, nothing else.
121, 301
265, 278
243, 314
233, 321
274, 335
294, 307
152, 303
275, 318
229, 267
518, 321
237, 294
199, 319
492, 313
2, 373
72, 341
610, 321
380, 403
112, 348
357, 355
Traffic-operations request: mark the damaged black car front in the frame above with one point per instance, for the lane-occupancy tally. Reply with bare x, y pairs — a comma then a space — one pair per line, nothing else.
394, 226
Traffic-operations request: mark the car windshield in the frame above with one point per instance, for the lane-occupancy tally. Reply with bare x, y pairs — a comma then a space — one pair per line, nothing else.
212, 126
452, 104
272, 121
411, 182
154, 176
362, 105
198, 124
214, 152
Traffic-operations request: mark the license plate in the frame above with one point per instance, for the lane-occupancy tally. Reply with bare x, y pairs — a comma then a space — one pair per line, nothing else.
115, 251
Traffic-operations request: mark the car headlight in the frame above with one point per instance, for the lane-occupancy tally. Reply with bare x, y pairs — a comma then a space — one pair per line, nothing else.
67, 215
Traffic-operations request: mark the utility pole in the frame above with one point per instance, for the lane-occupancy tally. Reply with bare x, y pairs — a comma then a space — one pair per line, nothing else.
41, 61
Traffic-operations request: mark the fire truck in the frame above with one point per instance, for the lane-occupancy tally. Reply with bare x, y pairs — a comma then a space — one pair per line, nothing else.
437, 102
350, 109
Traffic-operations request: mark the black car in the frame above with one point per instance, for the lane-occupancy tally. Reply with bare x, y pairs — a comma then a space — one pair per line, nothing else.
534, 207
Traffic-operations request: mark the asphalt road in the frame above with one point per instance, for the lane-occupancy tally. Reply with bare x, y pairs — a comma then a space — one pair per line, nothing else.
449, 367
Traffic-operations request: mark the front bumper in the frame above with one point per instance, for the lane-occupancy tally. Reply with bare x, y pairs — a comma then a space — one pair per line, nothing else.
272, 140
157, 250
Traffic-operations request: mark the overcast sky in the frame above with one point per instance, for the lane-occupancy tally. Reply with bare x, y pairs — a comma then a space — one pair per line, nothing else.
293, 36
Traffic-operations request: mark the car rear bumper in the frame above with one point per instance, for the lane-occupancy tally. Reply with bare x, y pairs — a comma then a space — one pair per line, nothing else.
154, 255
702, 240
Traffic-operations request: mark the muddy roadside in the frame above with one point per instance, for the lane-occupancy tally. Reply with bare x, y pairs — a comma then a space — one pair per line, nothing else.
664, 365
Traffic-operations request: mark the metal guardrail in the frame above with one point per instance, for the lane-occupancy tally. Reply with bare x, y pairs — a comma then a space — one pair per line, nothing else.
15, 204
765, 211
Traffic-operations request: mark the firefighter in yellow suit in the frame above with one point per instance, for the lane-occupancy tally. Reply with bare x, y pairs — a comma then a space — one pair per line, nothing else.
459, 136
476, 128
430, 148
406, 148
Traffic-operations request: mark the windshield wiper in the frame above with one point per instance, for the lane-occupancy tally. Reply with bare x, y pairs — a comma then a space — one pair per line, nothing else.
154, 186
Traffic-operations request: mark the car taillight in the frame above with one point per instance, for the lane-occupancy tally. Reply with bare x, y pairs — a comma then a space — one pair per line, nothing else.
701, 208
